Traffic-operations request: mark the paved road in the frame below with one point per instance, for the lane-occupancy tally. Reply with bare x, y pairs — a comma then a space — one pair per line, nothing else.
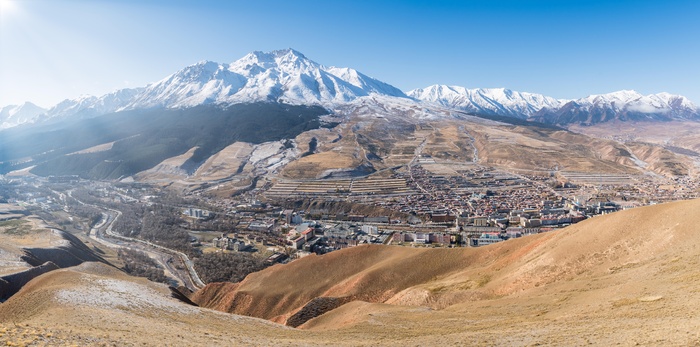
167, 257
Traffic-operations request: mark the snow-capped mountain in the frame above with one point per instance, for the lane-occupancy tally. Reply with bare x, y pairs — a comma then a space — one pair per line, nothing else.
621, 105
491, 101
278, 76
287, 76
87, 106
14, 115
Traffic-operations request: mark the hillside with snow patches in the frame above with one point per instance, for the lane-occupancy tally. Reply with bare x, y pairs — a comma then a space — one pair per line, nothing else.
287, 76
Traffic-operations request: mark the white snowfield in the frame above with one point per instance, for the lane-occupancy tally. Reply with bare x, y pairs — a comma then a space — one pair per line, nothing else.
288, 76
505, 102
14, 115
499, 101
284, 76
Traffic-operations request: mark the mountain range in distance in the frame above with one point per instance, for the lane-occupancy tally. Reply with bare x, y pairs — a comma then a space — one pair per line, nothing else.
287, 76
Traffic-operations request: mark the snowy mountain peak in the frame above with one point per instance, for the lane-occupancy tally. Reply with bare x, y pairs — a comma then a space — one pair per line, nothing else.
630, 99
489, 101
615, 99
282, 75
287, 59
620, 105
286, 54
202, 71
87, 106
623, 104
289, 76
14, 115
678, 101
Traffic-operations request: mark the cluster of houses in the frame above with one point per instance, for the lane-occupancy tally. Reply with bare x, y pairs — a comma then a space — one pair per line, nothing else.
320, 239
498, 235
323, 214
447, 217
198, 213
550, 215
439, 238
232, 244
479, 191
501, 224
491, 196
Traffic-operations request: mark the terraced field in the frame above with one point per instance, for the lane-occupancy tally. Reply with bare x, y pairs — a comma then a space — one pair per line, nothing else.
366, 186
598, 178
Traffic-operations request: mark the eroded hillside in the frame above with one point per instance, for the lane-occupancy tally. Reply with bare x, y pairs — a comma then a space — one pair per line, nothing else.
624, 278
618, 268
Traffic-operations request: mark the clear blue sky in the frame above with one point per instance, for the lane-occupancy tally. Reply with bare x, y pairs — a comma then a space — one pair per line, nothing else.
56, 49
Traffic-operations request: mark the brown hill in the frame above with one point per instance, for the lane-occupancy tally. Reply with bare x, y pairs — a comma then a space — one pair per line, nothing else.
627, 278
96, 305
606, 251
369, 273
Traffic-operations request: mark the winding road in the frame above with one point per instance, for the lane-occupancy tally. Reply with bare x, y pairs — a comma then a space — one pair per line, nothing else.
103, 234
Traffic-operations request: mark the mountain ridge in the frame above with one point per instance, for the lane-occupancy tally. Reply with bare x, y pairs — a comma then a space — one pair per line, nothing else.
278, 76
492, 101
13, 115
288, 76
621, 105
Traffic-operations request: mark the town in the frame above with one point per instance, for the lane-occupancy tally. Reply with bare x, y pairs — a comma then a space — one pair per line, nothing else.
424, 205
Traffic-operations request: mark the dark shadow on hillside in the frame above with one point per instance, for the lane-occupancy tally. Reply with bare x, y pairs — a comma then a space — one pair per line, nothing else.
144, 138
45, 260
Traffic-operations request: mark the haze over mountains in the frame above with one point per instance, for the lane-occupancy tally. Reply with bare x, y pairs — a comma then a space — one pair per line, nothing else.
287, 76
14, 115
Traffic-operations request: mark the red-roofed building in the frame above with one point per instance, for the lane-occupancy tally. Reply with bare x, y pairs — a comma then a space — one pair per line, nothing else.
308, 234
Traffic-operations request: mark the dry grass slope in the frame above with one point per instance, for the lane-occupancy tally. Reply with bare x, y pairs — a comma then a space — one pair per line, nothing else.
626, 278
603, 264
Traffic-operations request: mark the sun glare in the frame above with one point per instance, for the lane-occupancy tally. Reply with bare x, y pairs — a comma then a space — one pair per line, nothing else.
7, 6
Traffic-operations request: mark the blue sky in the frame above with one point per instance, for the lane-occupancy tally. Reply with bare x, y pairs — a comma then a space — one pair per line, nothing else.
56, 49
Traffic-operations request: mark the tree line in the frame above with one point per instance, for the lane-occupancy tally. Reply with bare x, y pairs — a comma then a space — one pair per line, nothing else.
139, 264
227, 267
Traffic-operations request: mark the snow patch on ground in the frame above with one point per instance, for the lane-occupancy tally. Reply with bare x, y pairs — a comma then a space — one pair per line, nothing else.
117, 294
273, 160
265, 150
59, 241
639, 162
